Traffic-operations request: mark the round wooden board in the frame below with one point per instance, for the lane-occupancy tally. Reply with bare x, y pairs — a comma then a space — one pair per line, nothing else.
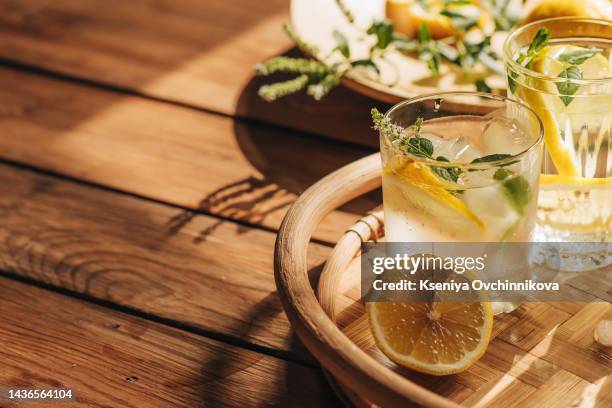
541, 354
402, 76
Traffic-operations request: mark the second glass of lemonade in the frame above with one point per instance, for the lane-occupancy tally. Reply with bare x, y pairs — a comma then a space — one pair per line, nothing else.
460, 167
562, 69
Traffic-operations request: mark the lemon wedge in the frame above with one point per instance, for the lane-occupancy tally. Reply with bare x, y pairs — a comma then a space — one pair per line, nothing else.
438, 338
420, 176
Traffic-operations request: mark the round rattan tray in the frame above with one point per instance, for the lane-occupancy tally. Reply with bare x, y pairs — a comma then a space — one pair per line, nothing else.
542, 354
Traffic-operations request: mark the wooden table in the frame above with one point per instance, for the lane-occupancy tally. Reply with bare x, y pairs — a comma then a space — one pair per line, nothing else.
142, 183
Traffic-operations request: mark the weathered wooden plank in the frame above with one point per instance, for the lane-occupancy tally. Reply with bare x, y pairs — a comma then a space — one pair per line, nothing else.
245, 172
208, 273
111, 359
200, 53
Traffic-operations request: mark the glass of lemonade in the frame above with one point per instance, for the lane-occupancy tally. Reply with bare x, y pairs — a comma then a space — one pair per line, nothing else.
567, 80
460, 167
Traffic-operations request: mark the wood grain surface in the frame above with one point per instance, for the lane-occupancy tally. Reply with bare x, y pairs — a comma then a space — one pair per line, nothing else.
200, 161
114, 360
187, 51
206, 273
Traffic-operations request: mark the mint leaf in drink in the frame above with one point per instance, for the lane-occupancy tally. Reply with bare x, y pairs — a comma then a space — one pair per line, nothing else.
447, 173
491, 158
579, 56
419, 146
384, 33
518, 193
481, 86
341, 44
540, 40
511, 84
502, 174
569, 88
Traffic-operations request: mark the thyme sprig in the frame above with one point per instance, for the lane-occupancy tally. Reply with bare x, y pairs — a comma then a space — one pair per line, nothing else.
319, 78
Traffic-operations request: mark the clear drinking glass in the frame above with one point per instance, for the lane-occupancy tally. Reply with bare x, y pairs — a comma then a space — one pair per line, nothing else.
460, 166
572, 95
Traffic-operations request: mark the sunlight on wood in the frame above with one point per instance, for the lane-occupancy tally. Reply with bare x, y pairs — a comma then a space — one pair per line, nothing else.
213, 62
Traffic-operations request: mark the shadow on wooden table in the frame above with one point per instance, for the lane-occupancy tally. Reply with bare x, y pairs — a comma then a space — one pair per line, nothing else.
341, 115
300, 159
293, 385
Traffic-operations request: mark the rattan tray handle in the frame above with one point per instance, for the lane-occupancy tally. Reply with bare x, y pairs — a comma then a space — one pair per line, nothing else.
351, 366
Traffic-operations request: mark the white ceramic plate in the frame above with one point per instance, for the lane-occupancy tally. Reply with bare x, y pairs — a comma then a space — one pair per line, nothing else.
402, 77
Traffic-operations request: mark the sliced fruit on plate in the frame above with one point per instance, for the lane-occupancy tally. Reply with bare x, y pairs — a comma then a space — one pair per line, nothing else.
444, 19
438, 338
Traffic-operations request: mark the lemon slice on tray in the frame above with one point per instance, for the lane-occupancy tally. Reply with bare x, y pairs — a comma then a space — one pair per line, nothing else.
543, 98
438, 338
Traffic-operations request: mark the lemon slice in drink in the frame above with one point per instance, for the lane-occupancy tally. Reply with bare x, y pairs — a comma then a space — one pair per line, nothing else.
543, 98
421, 177
438, 338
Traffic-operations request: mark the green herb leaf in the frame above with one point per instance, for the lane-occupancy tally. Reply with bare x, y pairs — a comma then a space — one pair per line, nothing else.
540, 40
419, 146
447, 173
345, 10
368, 63
341, 44
578, 57
384, 33
502, 174
511, 84
424, 33
518, 193
568, 88
274, 91
307, 48
292, 65
482, 86
323, 87
459, 20
491, 158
